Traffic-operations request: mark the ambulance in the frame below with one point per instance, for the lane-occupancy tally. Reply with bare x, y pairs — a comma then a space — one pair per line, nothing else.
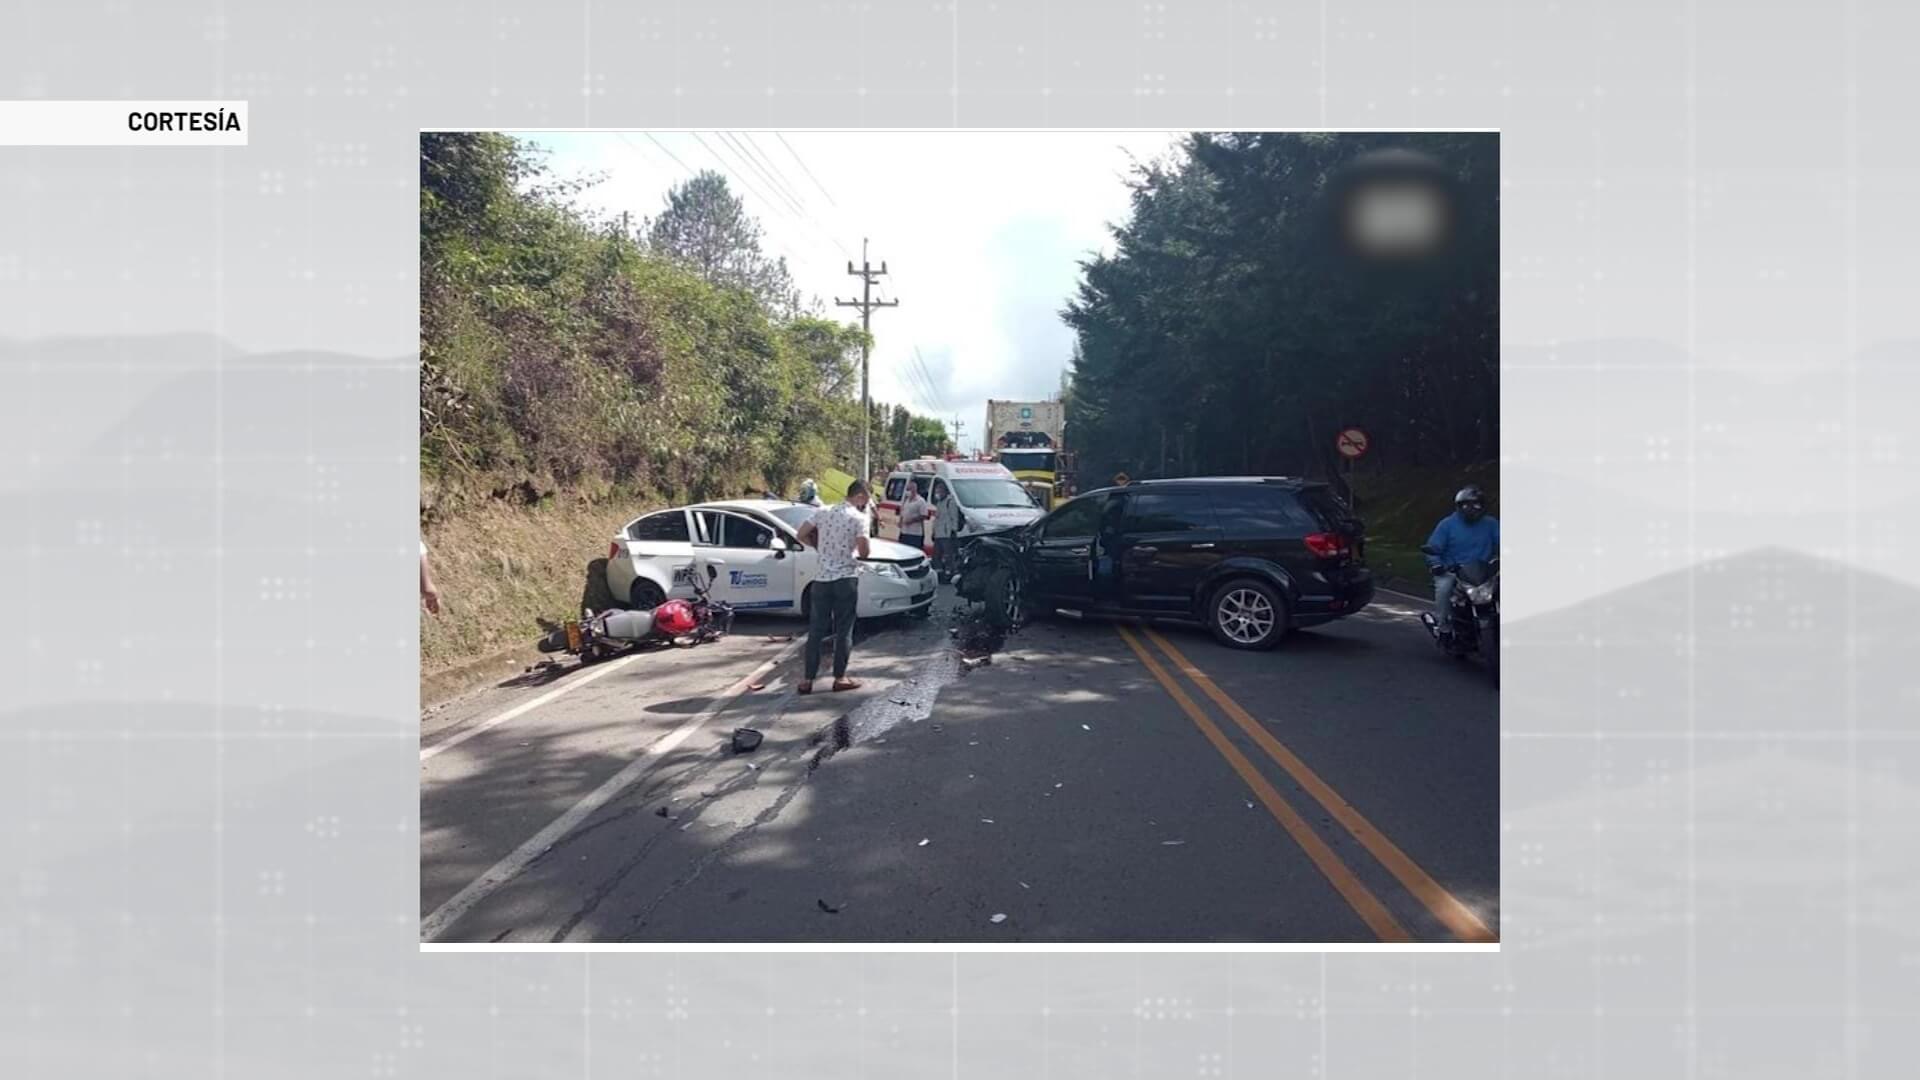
984, 494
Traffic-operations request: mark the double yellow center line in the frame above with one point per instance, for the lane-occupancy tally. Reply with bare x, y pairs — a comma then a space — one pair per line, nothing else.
1451, 913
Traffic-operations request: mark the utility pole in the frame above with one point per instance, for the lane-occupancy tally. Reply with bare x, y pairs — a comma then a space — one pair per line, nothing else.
866, 304
958, 428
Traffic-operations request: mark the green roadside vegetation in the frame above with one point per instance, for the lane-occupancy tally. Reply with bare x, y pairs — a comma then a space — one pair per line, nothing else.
1402, 506
576, 372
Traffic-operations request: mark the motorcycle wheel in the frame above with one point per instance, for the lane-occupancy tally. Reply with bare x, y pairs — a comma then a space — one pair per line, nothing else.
1001, 594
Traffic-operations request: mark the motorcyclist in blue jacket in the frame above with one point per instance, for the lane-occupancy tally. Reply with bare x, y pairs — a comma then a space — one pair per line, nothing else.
1466, 535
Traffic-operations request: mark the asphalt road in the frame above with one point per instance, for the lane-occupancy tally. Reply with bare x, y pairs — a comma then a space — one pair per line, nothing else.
1095, 782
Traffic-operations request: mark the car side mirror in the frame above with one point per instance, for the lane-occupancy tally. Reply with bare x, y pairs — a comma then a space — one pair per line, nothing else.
712, 574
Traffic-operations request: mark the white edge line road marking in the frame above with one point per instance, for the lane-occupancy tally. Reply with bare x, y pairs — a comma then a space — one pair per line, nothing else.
526, 706
1427, 600
521, 857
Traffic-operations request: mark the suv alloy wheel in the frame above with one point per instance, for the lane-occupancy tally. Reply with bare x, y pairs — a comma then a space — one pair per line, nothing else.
1246, 613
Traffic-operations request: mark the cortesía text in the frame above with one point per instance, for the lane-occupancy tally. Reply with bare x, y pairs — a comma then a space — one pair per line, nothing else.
218, 120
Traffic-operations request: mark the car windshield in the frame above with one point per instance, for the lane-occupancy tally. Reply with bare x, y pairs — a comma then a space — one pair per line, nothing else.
792, 516
991, 494
1027, 460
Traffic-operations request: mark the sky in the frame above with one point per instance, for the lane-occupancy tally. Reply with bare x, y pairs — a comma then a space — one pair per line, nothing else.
982, 234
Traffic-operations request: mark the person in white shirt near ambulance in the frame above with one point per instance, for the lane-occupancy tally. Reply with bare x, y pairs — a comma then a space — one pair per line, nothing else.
945, 522
915, 512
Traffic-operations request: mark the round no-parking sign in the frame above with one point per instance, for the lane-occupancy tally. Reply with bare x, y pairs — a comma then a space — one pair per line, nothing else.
1351, 443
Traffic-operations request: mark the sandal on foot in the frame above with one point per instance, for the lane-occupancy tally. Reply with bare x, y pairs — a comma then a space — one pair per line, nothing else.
804, 688
846, 684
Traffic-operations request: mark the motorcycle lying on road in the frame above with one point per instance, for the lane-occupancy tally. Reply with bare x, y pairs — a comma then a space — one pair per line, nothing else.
597, 635
1475, 622
988, 571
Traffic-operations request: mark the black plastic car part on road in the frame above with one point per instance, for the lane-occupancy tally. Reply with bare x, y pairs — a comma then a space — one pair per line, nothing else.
1250, 558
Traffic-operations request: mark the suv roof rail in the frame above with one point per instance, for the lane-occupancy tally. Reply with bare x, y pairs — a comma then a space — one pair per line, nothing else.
1228, 480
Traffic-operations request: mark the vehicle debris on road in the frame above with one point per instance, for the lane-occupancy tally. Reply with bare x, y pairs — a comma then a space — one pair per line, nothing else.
998, 918
745, 740
831, 909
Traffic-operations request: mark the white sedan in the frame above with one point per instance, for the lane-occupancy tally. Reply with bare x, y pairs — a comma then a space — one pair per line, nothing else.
762, 564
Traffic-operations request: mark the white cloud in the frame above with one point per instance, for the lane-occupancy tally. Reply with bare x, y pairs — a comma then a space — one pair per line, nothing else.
981, 233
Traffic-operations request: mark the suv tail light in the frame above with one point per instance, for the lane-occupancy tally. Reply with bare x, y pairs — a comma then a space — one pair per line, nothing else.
1327, 545
613, 549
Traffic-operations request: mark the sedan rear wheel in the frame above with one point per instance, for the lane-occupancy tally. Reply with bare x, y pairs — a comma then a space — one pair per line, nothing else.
1247, 614
645, 595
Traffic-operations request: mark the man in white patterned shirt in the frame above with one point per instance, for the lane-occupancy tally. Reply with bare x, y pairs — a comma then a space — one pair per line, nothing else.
839, 533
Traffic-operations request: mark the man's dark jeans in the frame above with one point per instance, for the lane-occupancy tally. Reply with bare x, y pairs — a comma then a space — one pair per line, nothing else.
830, 612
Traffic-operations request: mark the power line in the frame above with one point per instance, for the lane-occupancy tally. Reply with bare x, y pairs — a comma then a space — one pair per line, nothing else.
828, 232
803, 168
745, 138
733, 145
741, 180
920, 388
771, 205
742, 143
790, 189
939, 398
806, 222
663, 149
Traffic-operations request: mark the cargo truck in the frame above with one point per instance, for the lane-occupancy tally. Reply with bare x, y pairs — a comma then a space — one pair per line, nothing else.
1029, 438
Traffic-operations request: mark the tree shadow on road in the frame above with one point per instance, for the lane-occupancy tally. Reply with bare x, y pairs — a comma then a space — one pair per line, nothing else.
1056, 785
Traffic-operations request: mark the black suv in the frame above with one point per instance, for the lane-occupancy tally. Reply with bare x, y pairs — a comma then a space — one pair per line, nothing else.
1248, 557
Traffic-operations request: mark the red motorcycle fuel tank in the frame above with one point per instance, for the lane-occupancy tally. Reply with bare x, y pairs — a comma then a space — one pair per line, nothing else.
675, 617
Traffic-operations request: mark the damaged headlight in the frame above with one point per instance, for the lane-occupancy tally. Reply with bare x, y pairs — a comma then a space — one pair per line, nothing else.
885, 570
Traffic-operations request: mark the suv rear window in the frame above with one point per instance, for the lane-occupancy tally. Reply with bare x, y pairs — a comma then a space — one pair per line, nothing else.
1330, 511
1257, 508
896, 488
